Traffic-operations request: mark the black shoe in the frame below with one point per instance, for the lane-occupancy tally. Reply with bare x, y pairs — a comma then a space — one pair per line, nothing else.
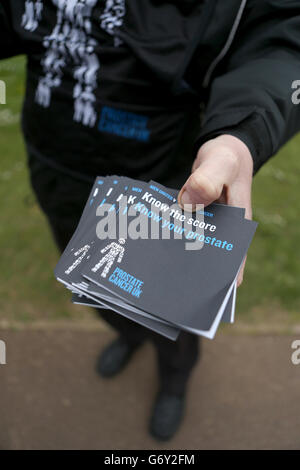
115, 357
167, 415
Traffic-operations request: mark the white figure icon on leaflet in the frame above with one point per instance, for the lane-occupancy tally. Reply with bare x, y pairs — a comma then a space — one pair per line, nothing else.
115, 250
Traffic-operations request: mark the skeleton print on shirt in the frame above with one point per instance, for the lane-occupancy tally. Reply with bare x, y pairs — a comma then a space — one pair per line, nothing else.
70, 44
32, 14
112, 18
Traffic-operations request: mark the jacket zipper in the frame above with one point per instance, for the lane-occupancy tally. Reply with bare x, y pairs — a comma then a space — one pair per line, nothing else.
227, 45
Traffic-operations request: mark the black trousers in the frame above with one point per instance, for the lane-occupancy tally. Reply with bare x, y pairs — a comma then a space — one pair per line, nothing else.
62, 198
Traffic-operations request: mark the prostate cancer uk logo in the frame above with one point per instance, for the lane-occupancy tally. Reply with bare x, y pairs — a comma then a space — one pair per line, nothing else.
2, 92
127, 282
124, 124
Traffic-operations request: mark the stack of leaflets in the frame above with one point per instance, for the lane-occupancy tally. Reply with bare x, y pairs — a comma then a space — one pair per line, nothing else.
137, 253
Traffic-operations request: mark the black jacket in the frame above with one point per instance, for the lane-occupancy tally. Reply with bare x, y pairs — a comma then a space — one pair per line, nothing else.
112, 85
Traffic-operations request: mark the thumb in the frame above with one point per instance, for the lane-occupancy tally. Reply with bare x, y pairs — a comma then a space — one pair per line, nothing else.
216, 168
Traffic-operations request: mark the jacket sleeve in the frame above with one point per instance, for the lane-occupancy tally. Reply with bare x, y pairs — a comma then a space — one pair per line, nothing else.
10, 44
252, 97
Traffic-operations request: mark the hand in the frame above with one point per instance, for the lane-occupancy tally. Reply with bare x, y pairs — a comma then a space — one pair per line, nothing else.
222, 172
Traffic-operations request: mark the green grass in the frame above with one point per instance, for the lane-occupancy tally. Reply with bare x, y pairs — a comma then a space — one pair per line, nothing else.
28, 290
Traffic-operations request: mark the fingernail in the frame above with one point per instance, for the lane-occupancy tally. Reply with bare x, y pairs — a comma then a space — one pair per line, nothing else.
185, 200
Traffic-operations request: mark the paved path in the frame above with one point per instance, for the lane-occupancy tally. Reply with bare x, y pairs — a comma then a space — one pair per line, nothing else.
245, 393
